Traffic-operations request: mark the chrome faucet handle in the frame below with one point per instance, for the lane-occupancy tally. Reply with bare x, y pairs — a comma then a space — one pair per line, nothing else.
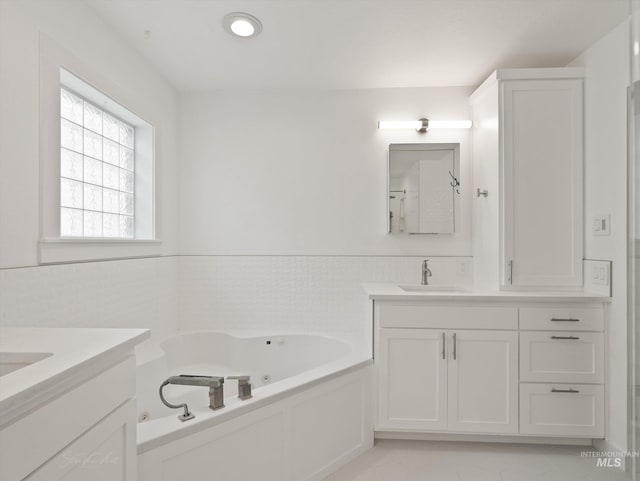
244, 386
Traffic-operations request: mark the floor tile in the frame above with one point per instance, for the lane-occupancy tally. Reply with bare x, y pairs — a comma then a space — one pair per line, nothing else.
391, 460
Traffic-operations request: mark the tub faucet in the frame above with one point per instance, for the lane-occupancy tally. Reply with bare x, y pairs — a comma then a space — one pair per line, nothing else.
244, 386
426, 272
214, 383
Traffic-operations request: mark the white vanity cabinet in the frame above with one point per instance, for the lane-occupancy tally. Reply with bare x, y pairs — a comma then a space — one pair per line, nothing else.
495, 363
72, 415
528, 156
446, 379
562, 379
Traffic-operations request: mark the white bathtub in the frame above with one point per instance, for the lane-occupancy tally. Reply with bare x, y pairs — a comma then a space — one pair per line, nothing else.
310, 412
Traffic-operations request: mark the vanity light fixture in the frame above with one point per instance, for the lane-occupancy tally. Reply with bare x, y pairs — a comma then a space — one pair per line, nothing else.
422, 125
242, 24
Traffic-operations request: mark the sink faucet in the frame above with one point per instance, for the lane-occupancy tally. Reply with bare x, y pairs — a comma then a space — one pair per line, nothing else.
214, 383
426, 272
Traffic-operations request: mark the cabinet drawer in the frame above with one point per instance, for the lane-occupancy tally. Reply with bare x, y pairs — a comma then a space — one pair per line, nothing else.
390, 314
562, 318
575, 410
561, 356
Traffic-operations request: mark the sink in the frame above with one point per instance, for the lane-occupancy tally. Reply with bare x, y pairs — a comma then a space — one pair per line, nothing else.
421, 288
12, 361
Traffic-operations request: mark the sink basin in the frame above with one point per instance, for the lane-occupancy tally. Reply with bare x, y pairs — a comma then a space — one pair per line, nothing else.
421, 288
12, 361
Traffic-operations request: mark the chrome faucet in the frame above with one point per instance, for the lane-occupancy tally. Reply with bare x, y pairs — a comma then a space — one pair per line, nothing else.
214, 383
426, 272
244, 386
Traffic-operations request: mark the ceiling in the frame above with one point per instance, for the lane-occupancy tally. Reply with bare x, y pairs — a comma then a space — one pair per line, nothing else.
357, 43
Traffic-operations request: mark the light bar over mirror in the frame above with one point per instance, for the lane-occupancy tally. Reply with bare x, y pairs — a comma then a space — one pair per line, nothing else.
423, 125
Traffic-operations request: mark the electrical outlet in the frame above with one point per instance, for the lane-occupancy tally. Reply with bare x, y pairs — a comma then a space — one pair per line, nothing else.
597, 276
600, 274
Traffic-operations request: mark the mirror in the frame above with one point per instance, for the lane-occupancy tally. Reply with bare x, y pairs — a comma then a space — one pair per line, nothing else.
424, 188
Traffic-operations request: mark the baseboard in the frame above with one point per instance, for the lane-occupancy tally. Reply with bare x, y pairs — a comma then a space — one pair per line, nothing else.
604, 446
497, 438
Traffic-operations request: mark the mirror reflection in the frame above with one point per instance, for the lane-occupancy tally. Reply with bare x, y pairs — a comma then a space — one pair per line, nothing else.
423, 188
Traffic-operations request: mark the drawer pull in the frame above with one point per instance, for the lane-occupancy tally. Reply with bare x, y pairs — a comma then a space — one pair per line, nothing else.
570, 391
556, 319
573, 338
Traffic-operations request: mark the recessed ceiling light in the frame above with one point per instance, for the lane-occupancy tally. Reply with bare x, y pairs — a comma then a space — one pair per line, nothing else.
242, 24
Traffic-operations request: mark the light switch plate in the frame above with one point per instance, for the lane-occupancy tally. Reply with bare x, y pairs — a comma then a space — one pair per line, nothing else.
600, 225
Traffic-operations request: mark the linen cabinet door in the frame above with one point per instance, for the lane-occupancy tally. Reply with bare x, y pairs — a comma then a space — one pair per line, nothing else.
483, 382
543, 137
412, 380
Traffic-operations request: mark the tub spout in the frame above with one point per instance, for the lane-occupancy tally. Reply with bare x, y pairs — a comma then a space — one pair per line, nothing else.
214, 383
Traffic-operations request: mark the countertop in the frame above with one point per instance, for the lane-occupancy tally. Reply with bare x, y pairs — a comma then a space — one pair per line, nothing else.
73, 354
393, 292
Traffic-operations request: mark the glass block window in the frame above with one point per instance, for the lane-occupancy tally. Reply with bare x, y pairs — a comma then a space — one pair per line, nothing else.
97, 171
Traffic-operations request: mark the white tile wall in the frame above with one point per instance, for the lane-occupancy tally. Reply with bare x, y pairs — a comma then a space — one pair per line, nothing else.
126, 293
301, 293
292, 293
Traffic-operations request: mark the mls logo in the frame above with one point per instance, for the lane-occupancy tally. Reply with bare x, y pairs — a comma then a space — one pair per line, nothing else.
609, 463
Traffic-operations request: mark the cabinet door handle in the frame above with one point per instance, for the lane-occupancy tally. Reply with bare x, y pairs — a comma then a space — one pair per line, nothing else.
570, 391
454, 347
444, 347
573, 338
510, 272
555, 319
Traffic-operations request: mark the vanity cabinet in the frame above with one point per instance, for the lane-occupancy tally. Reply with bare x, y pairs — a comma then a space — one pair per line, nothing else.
70, 416
528, 156
562, 379
457, 380
493, 364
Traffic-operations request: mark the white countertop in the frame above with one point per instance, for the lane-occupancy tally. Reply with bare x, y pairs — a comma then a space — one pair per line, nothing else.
393, 292
76, 353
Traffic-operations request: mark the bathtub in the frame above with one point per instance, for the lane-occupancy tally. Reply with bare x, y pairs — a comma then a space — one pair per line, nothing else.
310, 412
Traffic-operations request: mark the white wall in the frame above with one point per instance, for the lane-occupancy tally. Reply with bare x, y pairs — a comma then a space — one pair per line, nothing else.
297, 293
136, 293
304, 172
77, 29
607, 78
124, 293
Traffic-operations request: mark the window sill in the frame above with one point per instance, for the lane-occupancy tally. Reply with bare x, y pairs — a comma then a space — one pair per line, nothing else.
60, 250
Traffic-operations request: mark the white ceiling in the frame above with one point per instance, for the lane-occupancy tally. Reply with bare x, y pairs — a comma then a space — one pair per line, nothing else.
357, 43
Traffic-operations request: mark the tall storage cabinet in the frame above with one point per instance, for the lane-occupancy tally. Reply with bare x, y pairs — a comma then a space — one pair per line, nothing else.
528, 156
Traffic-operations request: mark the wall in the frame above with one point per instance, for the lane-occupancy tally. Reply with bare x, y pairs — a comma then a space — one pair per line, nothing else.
283, 206
607, 78
297, 293
304, 172
119, 293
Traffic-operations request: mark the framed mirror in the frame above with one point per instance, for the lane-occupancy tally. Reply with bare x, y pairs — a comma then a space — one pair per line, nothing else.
423, 188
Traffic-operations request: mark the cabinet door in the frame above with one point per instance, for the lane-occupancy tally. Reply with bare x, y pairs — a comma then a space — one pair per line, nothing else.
542, 181
107, 451
483, 382
412, 379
